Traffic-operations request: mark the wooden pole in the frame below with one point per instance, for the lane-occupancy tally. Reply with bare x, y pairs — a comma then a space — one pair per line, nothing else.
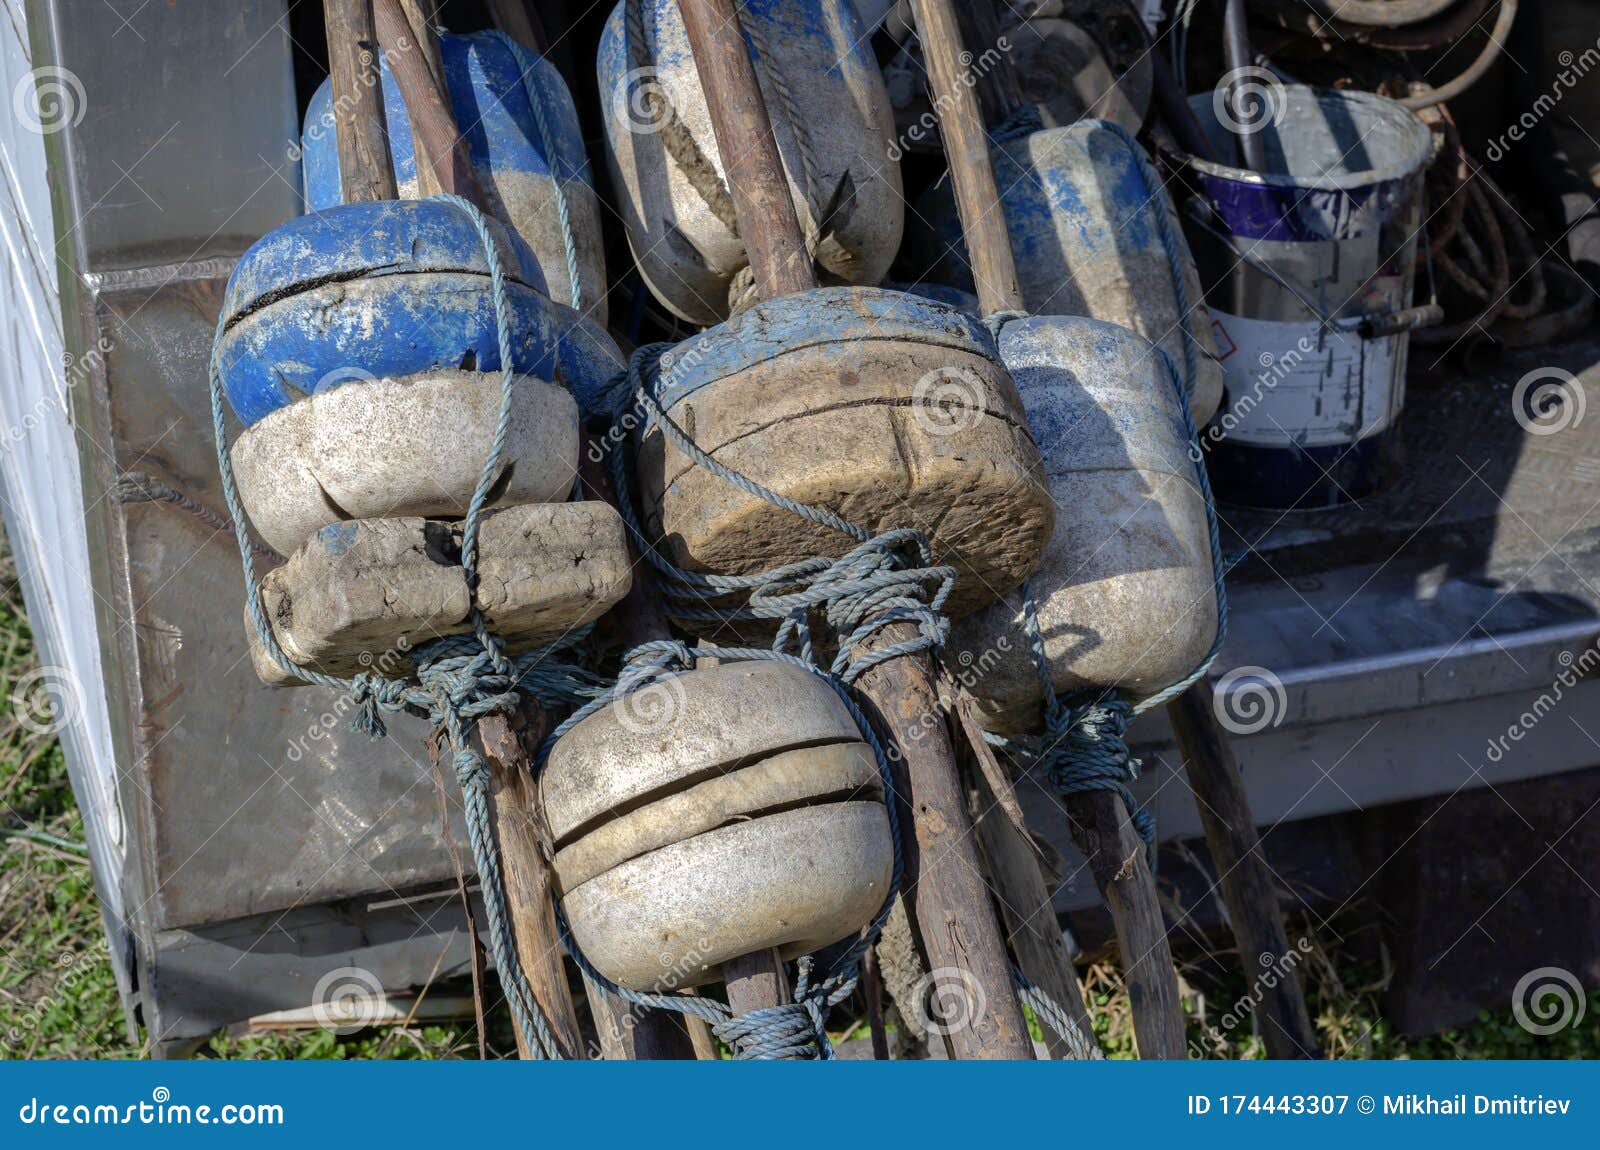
1248, 890
421, 16
983, 219
1025, 902
524, 842
433, 124
950, 906
1100, 824
366, 171
524, 851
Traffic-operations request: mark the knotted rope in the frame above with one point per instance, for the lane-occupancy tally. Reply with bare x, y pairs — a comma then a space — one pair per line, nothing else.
458, 680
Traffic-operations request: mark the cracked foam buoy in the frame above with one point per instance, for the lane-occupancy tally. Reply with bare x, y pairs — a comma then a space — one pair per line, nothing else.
827, 100
712, 814
360, 350
891, 410
1125, 593
492, 85
1081, 216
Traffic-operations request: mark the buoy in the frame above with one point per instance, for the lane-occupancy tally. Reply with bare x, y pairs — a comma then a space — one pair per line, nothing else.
1093, 235
360, 349
521, 130
1126, 591
888, 409
830, 118
714, 814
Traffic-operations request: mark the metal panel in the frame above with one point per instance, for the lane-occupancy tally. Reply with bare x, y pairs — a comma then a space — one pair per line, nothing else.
188, 114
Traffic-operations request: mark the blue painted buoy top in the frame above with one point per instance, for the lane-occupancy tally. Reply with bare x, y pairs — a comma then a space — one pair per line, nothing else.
493, 84
371, 290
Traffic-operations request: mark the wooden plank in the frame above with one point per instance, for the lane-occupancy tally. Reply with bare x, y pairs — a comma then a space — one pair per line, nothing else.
1248, 889
366, 171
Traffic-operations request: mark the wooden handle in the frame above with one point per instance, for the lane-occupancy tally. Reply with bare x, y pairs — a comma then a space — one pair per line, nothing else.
983, 219
768, 225
366, 171
433, 125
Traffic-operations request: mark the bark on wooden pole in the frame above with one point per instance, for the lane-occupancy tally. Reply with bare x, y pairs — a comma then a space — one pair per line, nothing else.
361, 138
950, 906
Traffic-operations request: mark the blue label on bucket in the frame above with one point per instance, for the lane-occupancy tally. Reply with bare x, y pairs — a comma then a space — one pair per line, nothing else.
1295, 214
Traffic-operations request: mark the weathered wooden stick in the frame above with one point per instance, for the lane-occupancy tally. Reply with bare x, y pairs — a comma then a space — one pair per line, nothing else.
1100, 824
951, 908
421, 15
366, 171
524, 853
524, 843
1248, 890
433, 124
1025, 903
983, 219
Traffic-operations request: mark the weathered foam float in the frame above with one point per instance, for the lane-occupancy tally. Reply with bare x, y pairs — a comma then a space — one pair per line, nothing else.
831, 121
1126, 591
889, 409
1085, 227
752, 820
499, 92
522, 134
360, 350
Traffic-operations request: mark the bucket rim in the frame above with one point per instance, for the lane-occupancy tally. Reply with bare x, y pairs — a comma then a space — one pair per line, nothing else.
1403, 118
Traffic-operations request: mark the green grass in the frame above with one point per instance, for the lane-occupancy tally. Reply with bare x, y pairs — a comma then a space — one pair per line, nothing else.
58, 998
